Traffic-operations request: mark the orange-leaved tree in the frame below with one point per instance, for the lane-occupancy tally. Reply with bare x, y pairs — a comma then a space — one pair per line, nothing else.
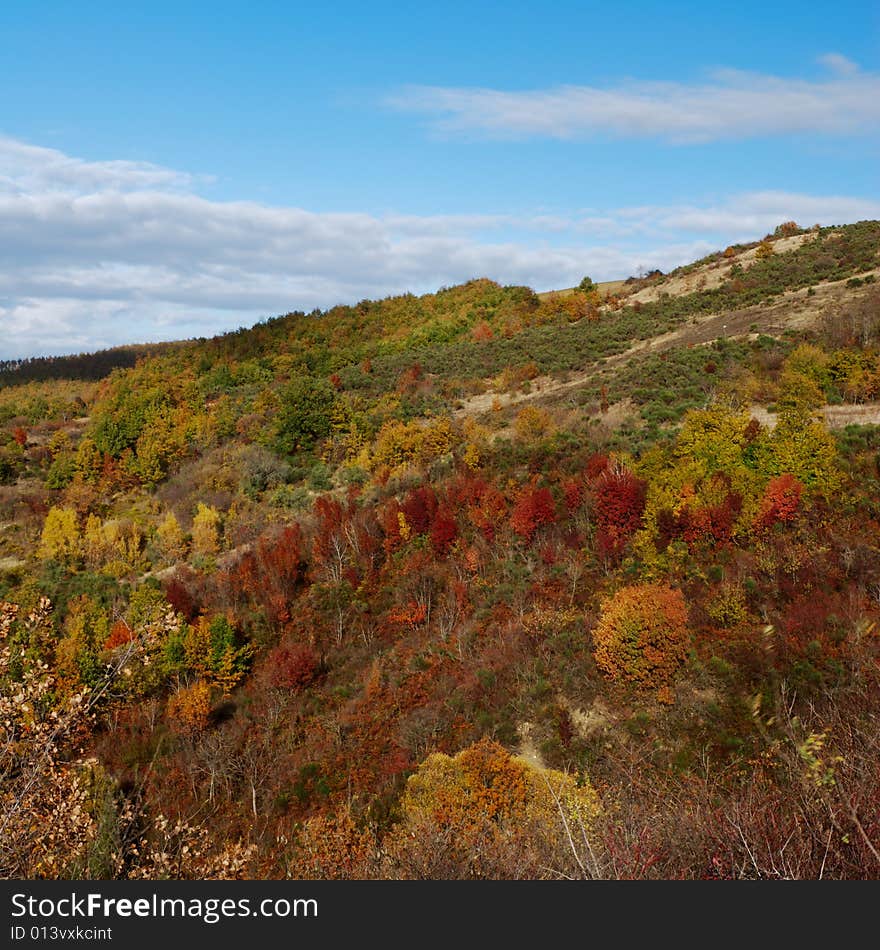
642, 634
781, 501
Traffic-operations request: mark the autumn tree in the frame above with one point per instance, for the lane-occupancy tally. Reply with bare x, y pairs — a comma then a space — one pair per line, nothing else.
115, 546
189, 707
786, 229
642, 635
486, 507
780, 502
267, 575
214, 653
619, 500
532, 423
803, 448
77, 654
482, 332
485, 813
294, 666
60, 539
88, 460
94, 542
444, 531
534, 507
573, 493
419, 508
171, 539
399, 443
206, 530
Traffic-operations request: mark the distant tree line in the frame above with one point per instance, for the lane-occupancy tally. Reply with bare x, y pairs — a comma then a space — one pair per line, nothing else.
87, 366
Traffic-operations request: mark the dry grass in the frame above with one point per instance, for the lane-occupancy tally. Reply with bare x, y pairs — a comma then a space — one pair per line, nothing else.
605, 287
795, 310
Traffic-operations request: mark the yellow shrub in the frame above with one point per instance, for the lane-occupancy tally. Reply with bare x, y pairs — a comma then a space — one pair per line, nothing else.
399, 443
642, 634
60, 539
532, 423
171, 538
206, 530
483, 789
728, 607
189, 709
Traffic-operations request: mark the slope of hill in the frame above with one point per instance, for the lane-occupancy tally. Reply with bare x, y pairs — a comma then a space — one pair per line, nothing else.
483, 583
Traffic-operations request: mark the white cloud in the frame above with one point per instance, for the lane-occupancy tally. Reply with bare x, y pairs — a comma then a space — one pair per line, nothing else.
730, 105
750, 216
24, 166
839, 64
97, 254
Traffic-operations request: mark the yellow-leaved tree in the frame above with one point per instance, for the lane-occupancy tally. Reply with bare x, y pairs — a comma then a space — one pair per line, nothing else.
60, 539
206, 530
171, 539
486, 813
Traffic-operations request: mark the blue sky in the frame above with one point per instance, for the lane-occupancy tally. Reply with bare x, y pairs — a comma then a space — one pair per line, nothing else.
180, 169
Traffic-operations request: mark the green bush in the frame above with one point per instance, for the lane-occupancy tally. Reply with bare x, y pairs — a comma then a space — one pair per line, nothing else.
305, 413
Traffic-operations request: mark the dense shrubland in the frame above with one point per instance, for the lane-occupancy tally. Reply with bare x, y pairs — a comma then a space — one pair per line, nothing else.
272, 606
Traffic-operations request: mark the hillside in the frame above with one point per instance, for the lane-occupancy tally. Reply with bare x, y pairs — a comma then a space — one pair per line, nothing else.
483, 583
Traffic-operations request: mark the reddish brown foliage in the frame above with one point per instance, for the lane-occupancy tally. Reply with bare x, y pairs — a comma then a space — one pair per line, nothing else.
487, 511
444, 531
389, 521
596, 465
410, 615
573, 493
752, 430
330, 517
706, 523
534, 507
466, 488
268, 574
620, 502
120, 634
114, 474
419, 508
178, 594
781, 501
294, 666
332, 847
409, 379
482, 332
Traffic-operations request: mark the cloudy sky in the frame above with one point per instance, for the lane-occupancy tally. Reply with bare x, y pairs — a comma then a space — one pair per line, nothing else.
168, 174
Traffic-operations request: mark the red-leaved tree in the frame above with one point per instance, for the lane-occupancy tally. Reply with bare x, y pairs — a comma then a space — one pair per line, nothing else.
780, 503
619, 499
534, 507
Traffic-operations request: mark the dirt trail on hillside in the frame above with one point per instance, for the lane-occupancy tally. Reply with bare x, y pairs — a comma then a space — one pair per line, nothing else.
793, 310
528, 749
712, 275
836, 417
